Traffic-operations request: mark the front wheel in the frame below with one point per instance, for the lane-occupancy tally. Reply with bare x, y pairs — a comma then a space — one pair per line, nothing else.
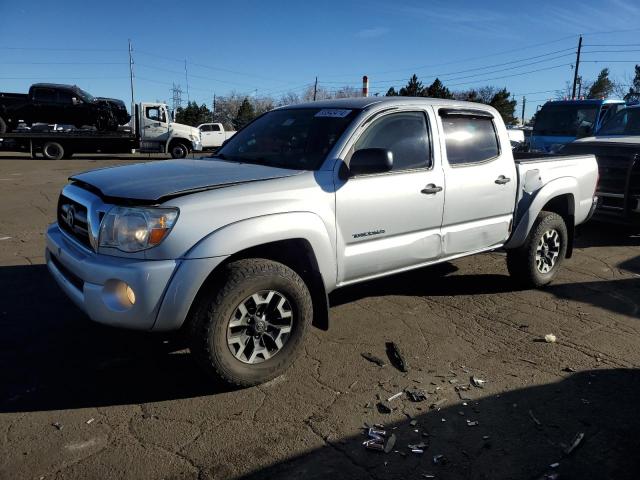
250, 327
178, 150
53, 151
537, 262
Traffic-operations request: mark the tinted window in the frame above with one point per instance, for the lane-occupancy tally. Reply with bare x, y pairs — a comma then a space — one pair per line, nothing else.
205, 128
64, 96
215, 128
564, 120
405, 134
625, 122
469, 139
44, 95
297, 138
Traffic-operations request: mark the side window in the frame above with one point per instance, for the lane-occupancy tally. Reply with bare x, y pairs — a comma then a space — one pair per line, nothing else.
44, 95
215, 128
469, 139
405, 134
205, 128
64, 96
155, 113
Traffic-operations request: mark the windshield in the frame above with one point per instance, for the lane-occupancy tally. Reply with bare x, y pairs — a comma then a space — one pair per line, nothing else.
297, 138
566, 120
625, 122
85, 95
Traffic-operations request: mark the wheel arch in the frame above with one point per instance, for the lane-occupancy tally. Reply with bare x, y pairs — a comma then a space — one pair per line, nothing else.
303, 246
557, 196
184, 141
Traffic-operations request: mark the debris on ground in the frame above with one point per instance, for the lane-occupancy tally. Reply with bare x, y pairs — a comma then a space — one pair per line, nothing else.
395, 357
477, 382
58, 425
377, 441
554, 465
440, 459
390, 443
577, 440
418, 446
413, 423
394, 396
472, 423
384, 407
569, 369
550, 338
437, 403
373, 359
416, 395
535, 420
428, 475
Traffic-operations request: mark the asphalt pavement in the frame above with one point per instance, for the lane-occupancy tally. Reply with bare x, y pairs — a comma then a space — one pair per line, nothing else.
83, 401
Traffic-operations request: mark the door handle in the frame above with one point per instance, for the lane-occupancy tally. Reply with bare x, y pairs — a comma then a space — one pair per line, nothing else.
501, 180
430, 189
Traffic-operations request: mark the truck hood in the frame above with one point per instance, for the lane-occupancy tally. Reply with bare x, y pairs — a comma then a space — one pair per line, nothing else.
153, 181
186, 130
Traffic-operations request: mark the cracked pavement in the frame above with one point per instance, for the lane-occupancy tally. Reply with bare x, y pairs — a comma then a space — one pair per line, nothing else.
134, 405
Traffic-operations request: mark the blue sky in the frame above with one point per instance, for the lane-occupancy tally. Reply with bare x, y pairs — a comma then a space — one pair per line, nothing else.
277, 46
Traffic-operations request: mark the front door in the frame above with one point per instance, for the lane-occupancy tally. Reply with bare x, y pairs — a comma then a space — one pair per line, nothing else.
155, 128
391, 221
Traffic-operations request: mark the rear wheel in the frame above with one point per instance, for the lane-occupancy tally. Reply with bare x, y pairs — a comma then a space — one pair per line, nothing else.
249, 328
178, 150
53, 151
537, 262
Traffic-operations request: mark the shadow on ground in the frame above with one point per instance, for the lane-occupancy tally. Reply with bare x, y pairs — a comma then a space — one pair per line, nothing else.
506, 443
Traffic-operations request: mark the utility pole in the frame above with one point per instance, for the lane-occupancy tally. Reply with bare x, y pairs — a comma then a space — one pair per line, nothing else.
213, 111
186, 77
524, 103
176, 92
575, 73
579, 86
315, 89
131, 76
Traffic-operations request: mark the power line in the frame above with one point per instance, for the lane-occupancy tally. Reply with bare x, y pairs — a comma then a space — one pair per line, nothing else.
513, 75
64, 63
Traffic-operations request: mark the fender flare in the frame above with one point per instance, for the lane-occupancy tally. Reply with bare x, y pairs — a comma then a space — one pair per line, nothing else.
256, 231
553, 189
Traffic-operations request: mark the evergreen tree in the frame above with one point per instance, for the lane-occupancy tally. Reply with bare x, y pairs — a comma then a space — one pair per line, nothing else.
246, 113
634, 90
414, 88
602, 87
391, 92
193, 114
438, 90
506, 107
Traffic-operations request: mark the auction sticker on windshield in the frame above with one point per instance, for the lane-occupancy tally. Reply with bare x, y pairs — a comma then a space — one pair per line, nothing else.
333, 113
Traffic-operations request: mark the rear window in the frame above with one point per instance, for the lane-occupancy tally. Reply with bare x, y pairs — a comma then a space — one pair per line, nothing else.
469, 140
625, 122
565, 120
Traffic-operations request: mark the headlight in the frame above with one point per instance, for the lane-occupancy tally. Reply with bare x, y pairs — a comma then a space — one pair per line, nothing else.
194, 136
136, 229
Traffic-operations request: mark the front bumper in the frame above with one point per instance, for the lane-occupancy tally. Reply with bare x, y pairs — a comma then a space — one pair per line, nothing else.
82, 275
196, 145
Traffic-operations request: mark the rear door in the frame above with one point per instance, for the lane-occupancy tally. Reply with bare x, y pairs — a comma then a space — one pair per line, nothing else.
481, 181
390, 221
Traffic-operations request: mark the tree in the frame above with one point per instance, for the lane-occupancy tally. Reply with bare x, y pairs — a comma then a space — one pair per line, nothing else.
193, 114
634, 90
438, 90
246, 113
414, 88
505, 107
467, 96
602, 87
391, 92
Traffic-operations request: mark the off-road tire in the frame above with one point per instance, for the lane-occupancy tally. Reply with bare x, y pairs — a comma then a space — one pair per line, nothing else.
3, 126
178, 150
521, 262
210, 317
53, 151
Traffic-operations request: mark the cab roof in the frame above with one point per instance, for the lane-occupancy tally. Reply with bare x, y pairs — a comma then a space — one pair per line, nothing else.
361, 103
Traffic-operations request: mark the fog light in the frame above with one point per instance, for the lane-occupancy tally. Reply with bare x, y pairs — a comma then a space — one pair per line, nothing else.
119, 295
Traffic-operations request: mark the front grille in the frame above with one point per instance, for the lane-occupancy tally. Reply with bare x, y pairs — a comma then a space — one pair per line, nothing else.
73, 219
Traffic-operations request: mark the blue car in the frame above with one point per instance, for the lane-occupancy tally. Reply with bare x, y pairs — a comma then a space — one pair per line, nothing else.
560, 122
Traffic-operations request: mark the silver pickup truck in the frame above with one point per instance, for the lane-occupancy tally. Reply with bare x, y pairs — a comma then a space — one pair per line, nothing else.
241, 250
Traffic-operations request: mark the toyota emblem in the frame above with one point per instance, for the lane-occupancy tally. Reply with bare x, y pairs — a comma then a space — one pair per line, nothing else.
71, 216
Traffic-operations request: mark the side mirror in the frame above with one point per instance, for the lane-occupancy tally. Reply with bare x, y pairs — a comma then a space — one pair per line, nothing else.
371, 160
74, 100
